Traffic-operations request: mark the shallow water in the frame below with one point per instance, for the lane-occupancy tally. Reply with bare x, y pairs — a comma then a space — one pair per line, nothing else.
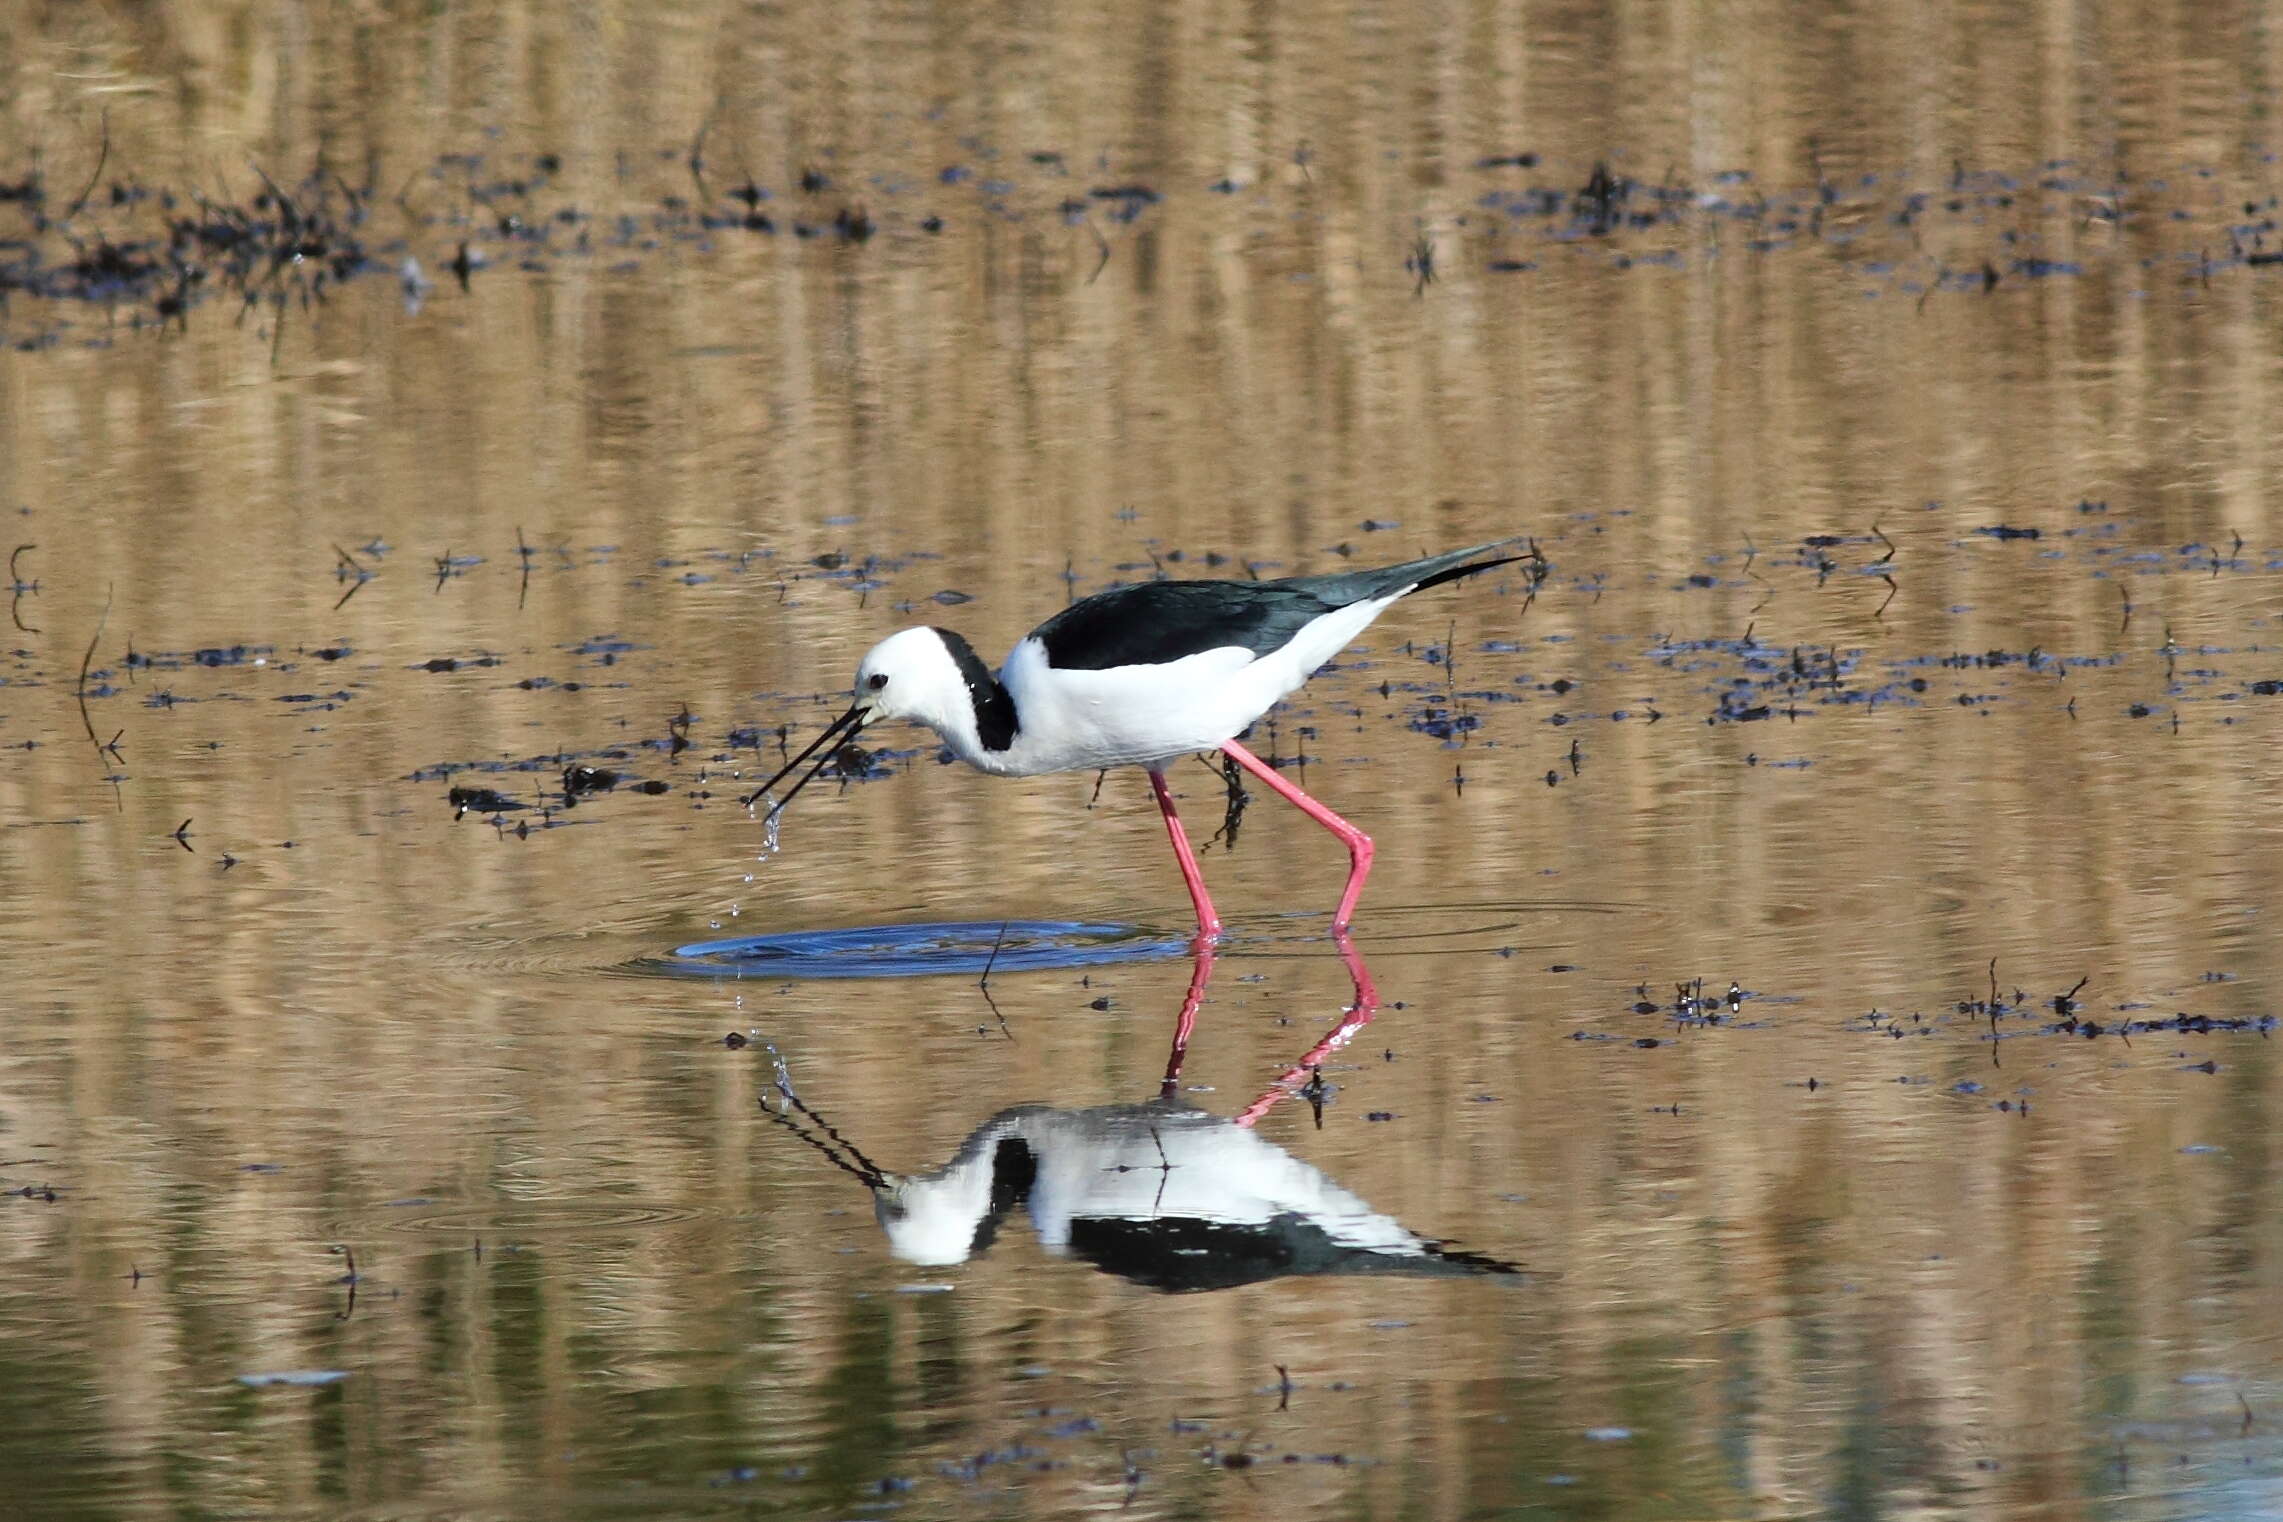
1895, 413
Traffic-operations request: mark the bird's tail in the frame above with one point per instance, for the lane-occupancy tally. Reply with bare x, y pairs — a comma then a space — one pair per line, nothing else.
1345, 587
1447, 572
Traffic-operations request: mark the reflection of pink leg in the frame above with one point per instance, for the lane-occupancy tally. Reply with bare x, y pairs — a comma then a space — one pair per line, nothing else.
1208, 923
1367, 992
1358, 1016
1199, 976
1358, 843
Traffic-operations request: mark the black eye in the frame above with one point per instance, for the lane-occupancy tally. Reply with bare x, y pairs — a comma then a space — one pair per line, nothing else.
879, 680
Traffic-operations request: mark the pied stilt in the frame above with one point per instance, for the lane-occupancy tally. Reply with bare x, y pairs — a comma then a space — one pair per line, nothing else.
1163, 1194
1139, 676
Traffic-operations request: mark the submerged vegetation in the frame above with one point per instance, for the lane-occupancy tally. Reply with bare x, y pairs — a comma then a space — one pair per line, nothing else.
149, 254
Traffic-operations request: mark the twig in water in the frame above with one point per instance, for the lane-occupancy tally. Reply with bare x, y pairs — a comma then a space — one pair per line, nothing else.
356, 575
277, 330
351, 1279
1994, 1013
1237, 800
1539, 568
102, 157
697, 157
1421, 264
983, 983
1451, 674
1101, 243
80, 691
284, 201
18, 587
993, 960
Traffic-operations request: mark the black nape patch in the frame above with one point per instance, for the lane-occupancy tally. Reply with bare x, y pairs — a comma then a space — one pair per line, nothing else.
1014, 1169
995, 720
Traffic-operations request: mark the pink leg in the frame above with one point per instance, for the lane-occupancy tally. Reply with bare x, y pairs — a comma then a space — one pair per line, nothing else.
1208, 922
1357, 1017
1358, 843
1199, 975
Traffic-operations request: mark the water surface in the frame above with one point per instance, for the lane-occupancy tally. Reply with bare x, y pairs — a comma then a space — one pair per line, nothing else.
1892, 396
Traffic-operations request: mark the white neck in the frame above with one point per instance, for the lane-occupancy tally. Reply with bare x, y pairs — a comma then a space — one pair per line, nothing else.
943, 684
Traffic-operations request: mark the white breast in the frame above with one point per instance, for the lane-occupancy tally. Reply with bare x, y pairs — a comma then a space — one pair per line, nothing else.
1133, 715
1150, 715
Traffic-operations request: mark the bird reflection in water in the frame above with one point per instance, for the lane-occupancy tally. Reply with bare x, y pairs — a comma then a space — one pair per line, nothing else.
1161, 1193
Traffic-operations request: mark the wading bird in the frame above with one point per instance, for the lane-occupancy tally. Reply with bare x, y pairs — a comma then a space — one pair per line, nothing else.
1163, 1194
1138, 676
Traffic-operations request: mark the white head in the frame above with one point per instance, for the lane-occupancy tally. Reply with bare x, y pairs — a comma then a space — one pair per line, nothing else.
935, 1221
915, 674
941, 1218
930, 676
951, 1215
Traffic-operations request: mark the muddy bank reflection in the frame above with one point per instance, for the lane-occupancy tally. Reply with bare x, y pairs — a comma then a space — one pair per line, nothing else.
1164, 1194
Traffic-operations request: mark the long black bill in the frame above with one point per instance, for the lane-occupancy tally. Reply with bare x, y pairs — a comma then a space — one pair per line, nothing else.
853, 1162
842, 728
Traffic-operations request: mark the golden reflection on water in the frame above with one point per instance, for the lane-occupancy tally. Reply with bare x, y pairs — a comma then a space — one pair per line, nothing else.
1985, 271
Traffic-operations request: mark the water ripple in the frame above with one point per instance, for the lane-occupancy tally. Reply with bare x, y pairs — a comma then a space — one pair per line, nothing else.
915, 951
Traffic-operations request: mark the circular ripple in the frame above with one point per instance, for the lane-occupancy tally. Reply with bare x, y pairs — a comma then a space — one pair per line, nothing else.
917, 951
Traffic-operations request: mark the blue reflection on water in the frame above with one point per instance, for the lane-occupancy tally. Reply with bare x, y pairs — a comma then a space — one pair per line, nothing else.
914, 951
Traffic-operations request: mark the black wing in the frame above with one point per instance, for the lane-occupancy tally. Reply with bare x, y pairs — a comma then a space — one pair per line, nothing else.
1180, 1254
1154, 622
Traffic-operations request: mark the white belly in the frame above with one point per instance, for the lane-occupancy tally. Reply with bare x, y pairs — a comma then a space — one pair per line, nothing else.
1150, 715
1132, 715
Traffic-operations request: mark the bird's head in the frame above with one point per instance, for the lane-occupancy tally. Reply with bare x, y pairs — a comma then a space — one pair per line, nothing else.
933, 1222
926, 675
912, 674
